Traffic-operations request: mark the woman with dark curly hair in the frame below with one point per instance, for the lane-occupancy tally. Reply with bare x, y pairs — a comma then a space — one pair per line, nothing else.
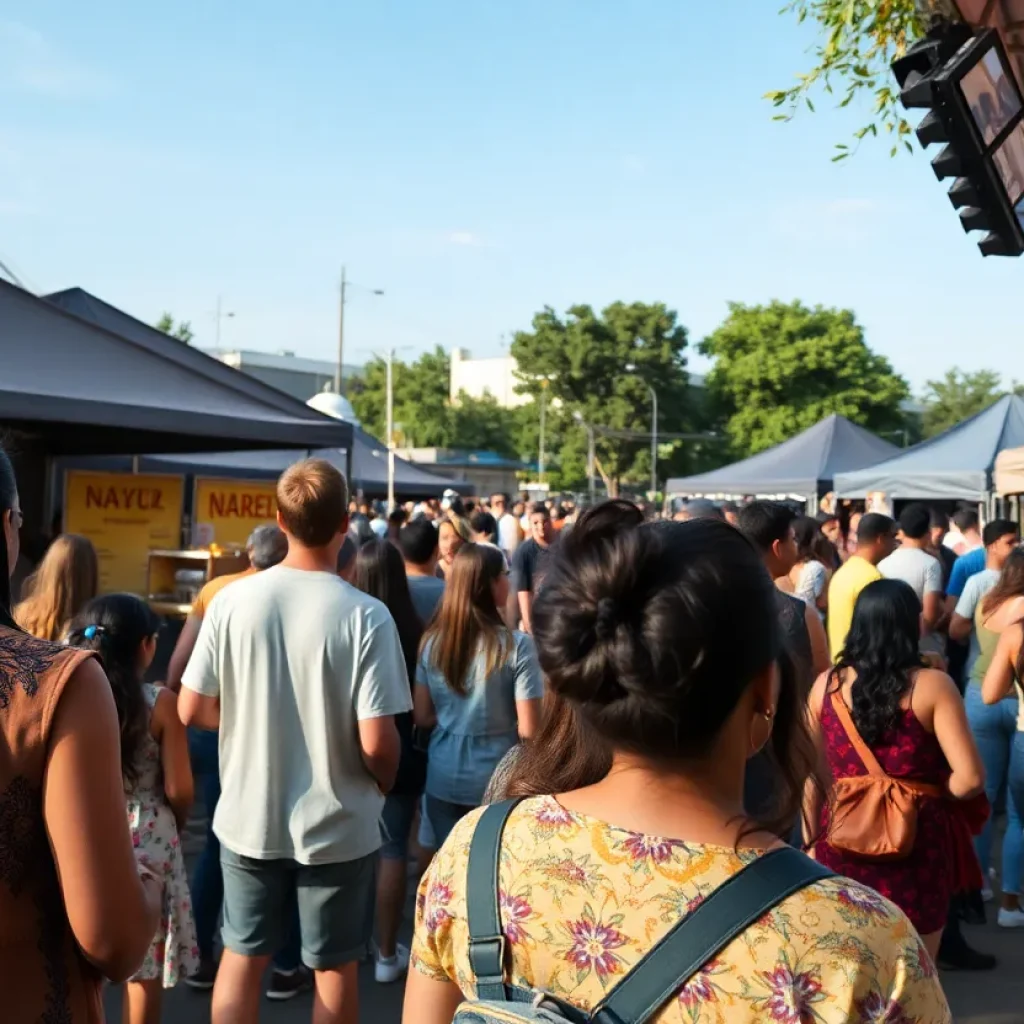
663, 639
912, 720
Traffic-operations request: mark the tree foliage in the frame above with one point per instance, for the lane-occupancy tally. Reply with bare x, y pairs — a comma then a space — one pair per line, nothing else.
857, 42
781, 368
584, 356
182, 330
960, 394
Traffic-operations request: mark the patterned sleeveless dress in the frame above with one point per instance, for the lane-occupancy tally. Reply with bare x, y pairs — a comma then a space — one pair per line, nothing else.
174, 953
43, 975
922, 884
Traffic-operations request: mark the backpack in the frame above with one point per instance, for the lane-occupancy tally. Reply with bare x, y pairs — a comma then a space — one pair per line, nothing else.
745, 898
873, 816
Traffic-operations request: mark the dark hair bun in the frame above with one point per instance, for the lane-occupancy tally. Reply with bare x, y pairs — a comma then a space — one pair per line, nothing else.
638, 624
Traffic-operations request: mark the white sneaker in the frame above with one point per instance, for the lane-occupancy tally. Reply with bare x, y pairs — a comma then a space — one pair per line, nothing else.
389, 971
1011, 918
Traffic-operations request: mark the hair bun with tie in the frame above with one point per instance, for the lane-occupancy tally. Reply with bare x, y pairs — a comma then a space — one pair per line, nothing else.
607, 620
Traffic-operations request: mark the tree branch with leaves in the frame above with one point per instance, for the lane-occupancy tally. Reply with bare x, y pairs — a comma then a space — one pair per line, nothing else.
858, 41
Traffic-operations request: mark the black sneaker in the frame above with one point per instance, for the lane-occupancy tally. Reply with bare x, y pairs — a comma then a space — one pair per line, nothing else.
962, 958
287, 986
203, 979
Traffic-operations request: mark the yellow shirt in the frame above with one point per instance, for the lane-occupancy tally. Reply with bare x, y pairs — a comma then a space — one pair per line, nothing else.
582, 901
843, 591
214, 587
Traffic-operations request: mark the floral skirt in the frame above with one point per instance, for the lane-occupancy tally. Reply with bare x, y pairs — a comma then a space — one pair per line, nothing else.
174, 952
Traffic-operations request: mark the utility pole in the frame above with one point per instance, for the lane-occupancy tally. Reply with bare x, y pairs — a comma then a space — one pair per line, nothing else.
338, 383
390, 400
219, 315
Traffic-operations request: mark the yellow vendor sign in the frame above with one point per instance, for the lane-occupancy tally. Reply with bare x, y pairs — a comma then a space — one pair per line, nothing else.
126, 516
227, 511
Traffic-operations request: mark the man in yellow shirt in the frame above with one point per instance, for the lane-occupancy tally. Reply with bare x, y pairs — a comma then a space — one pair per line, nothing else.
876, 539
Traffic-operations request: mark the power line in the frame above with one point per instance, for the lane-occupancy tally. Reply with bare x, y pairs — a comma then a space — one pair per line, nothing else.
12, 276
645, 435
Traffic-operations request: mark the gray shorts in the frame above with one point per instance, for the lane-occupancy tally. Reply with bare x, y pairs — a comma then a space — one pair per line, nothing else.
258, 894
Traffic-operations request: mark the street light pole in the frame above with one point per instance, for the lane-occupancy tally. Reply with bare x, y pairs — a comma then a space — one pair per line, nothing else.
591, 455
654, 442
543, 410
338, 383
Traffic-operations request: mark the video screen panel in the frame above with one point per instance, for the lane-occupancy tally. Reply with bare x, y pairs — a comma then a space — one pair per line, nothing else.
991, 96
1009, 161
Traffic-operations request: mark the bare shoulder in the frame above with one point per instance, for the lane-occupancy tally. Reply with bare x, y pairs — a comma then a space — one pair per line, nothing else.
165, 710
931, 686
817, 695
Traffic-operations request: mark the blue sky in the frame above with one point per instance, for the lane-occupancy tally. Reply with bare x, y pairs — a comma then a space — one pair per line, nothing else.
474, 159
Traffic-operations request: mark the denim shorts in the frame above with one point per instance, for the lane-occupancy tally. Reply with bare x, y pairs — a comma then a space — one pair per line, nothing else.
257, 907
396, 825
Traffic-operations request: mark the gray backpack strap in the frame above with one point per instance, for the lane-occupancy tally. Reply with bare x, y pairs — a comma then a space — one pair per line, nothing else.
725, 914
486, 942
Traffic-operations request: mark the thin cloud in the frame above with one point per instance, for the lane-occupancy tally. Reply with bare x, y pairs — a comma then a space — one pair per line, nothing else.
843, 219
466, 238
32, 62
633, 164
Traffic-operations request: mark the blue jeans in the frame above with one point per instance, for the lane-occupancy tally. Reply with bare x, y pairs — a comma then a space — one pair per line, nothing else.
995, 731
208, 881
444, 816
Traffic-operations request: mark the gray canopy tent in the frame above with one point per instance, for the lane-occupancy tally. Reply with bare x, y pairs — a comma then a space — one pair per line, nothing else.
805, 465
956, 465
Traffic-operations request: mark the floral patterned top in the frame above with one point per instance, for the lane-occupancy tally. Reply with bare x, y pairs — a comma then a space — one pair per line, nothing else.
582, 901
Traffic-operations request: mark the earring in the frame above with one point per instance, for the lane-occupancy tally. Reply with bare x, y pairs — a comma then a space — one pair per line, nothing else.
768, 714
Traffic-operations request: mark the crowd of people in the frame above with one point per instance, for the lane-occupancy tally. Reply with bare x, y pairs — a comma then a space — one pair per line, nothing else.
635, 710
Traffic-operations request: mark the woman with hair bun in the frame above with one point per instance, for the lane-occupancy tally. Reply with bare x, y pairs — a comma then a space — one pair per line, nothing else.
912, 721
663, 639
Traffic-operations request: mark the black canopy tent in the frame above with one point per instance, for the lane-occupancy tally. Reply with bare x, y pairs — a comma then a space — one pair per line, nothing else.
72, 387
368, 474
804, 465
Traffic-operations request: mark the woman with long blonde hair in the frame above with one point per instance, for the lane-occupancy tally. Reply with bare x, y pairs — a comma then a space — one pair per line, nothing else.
478, 686
66, 580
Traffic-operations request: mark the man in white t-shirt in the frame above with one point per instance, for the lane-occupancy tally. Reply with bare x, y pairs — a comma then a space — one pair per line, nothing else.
304, 676
509, 532
912, 564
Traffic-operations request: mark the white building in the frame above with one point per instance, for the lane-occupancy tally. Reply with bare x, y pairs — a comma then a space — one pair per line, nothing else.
494, 376
298, 376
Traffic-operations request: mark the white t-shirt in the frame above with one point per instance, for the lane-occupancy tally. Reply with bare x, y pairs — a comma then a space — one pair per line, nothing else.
508, 533
923, 573
298, 659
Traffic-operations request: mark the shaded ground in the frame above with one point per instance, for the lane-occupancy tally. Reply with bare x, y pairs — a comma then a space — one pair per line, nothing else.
993, 998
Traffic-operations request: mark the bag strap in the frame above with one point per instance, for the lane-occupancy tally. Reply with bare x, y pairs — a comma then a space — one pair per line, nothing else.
745, 898
486, 941
863, 750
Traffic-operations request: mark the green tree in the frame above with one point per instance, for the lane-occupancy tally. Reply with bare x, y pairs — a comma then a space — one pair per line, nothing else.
780, 368
960, 394
182, 331
857, 42
584, 356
